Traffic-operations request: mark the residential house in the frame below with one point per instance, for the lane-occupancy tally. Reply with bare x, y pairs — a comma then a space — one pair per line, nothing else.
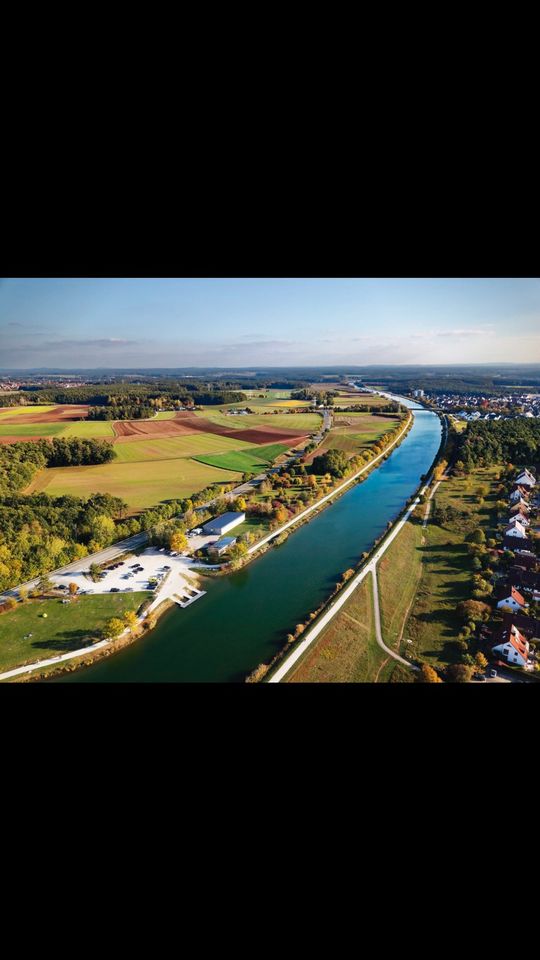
512, 647
522, 578
526, 558
520, 506
518, 494
521, 518
526, 479
511, 600
516, 529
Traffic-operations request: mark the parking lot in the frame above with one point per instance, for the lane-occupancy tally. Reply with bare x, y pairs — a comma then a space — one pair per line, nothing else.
175, 580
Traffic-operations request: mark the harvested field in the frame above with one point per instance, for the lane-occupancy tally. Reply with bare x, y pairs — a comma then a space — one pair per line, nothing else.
49, 414
139, 484
153, 428
9, 412
188, 423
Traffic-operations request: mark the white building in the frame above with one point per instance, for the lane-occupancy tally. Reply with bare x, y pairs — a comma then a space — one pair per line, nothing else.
224, 523
521, 518
513, 602
515, 649
515, 529
526, 479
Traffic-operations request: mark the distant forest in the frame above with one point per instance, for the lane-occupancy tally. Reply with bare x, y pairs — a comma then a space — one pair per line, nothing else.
515, 441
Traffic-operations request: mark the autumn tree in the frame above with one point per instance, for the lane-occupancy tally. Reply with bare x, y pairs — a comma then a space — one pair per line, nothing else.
113, 628
460, 673
480, 662
73, 589
178, 541
130, 620
429, 675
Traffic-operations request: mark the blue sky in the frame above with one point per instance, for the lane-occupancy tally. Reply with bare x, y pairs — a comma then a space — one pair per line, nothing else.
241, 322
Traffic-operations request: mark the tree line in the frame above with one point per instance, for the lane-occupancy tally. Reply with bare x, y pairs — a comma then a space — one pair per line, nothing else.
20, 461
500, 441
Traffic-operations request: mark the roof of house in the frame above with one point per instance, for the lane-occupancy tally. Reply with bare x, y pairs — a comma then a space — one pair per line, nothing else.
520, 505
515, 525
516, 639
512, 595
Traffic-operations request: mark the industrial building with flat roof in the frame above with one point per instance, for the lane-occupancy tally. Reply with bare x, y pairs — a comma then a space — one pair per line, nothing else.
224, 523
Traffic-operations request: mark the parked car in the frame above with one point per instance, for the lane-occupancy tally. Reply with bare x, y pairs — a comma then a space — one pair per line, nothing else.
115, 590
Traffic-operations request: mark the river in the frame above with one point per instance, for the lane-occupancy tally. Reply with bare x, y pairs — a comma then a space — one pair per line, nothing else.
244, 618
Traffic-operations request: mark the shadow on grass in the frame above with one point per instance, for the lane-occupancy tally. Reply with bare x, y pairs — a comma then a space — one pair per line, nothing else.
70, 640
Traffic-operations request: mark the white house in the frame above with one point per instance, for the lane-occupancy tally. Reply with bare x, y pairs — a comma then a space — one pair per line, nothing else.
516, 529
515, 496
513, 602
525, 479
520, 518
514, 649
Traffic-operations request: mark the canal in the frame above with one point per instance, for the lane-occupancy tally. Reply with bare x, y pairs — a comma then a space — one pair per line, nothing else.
244, 618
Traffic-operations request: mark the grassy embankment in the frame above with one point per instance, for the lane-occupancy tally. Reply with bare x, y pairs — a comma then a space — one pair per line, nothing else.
347, 650
425, 573
65, 628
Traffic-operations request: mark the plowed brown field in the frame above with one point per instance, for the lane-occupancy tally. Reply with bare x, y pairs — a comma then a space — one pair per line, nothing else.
185, 423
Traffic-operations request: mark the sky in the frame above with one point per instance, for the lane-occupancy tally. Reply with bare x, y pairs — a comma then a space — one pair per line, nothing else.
153, 322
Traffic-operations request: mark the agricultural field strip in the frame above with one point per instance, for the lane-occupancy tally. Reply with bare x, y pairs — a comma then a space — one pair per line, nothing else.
6, 412
245, 459
172, 448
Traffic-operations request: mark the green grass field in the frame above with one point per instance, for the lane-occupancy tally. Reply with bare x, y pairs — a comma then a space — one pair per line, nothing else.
400, 565
447, 567
140, 485
351, 439
309, 422
67, 627
170, 448
88, 429
347, 651
31, 429
434, 575
252, 459
20, 411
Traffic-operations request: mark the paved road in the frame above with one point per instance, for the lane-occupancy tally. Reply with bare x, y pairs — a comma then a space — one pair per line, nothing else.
103, 556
